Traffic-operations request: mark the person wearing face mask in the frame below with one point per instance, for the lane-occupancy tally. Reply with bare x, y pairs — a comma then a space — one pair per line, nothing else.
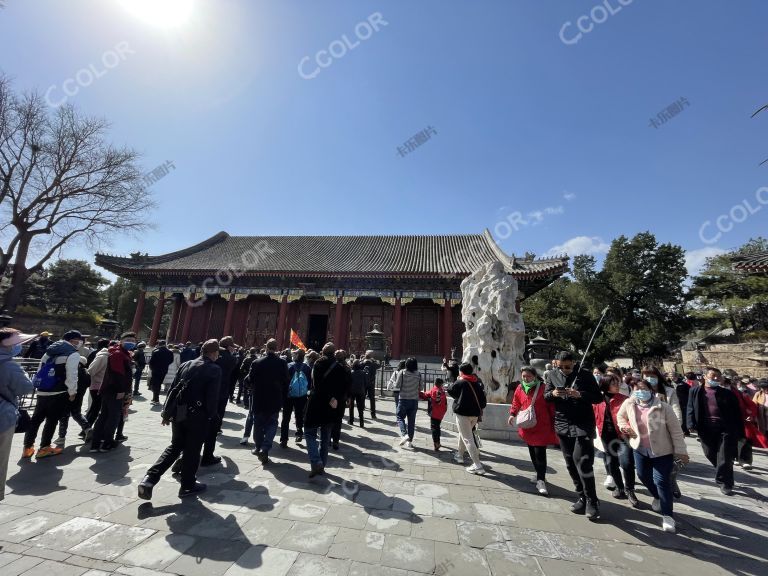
542, 434
54, 401
752, 436
14, 383
713, 412
117, 384
657, 439
618, 455
573, 392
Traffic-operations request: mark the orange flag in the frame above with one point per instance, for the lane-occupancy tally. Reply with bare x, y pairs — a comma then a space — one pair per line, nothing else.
296, 341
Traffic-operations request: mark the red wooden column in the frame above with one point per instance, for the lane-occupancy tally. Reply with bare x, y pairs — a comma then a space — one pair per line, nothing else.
280, 335
208, 311
397, 329
228, 317
139, 313
157, 318
187, 325
338, 323
447, 328
175, 313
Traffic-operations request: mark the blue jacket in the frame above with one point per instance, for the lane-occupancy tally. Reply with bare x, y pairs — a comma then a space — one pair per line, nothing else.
14, 383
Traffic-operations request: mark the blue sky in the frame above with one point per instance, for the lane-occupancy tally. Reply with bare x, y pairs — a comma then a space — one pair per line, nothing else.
523, 122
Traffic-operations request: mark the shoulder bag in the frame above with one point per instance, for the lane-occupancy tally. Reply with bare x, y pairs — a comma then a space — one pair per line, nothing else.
527, 418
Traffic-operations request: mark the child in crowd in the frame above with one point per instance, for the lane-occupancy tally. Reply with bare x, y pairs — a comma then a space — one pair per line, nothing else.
437, 405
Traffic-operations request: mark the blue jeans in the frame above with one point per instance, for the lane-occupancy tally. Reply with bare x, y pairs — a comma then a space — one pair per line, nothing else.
656, 475
318, 453
264, 429
406, 408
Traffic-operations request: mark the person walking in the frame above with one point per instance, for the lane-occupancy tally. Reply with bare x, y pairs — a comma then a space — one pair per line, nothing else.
617, 453
371, 366
300, 376
537, 431
117, 384
342, 358
357, 393
244, 369
657, 439
96, 370
437, 406
761, 403
393, 383
409, 384
74, 409
54, 393
714, 413
159, 361
39, 346
198, 383
269, 389
139, 362
752, 436
226, 361
330, 382
469, 402
173, 368
573, 392
14, 383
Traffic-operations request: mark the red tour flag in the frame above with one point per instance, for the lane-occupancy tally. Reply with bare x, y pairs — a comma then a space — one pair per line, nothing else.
296, 341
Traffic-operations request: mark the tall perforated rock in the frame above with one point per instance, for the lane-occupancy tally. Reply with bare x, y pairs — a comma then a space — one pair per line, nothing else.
494, 340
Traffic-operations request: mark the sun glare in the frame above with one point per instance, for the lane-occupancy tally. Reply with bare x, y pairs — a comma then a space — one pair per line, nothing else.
163, 13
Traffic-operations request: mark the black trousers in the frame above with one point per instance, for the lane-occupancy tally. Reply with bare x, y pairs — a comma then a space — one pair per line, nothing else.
720, 448
360, 402
108, 420
93, 411
156, 382
296, 405
49, 410
75, 410
579, 455
538, 456
745, 451
434, 425
186, 439
336, 428
370, 392
137, 379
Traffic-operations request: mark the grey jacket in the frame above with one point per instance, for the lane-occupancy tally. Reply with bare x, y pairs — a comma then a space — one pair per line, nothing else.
14, 383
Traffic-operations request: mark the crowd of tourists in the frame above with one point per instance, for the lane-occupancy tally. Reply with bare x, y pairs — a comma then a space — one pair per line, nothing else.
636, 419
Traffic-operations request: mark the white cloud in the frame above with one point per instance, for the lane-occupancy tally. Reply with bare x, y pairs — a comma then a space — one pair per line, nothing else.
569, 196
580, 245
694, 259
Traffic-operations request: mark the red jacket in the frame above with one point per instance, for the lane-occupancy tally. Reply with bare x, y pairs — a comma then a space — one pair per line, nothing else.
543, 434
599, 410
749, 409
439, 401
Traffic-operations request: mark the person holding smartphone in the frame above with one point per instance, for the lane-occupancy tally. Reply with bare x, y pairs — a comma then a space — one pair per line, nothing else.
573, 392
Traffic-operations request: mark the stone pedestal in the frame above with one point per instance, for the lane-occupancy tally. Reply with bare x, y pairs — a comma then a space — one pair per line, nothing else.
493, 427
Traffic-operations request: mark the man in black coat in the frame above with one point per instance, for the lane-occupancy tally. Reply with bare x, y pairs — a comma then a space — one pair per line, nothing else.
573, 393
201, 395
227, 363
159, 361
714, 412
370, 365
140, 362
269, 389
330, 382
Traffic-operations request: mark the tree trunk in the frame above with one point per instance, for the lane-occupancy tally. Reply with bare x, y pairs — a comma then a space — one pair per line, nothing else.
19, 275
735, 327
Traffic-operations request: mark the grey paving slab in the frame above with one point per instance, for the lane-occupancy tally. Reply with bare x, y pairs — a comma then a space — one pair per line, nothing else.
478, 534
208, 557
70, 533
159, 551
26, 527
502, 563
409, 553
310, 538
263, 531
312, 565
437, 529
263, 561
21, 565
50, 568
112, 542
390, 522
346, 516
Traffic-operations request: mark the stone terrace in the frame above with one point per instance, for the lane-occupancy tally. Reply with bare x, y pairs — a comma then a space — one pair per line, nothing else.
381, 511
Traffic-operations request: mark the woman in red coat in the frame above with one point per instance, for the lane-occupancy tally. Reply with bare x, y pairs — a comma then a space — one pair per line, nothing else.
538, 437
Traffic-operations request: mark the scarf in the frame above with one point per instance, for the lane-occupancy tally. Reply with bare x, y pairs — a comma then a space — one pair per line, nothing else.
469, 377
527, 387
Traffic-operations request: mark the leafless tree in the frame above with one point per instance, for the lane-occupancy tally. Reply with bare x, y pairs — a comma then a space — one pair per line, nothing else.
60, 182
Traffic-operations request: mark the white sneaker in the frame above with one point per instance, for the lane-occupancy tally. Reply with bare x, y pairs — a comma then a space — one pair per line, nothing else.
59, 441
656, 505
408, 445
609, 483
746, 466
403, 440
668, 524
474, 469
541, 486
459, 459
244, 441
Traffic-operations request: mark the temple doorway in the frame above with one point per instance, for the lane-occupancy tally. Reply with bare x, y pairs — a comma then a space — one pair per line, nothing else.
317, 331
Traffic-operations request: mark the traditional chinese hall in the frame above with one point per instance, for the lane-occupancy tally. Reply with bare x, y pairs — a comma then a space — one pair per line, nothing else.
326, 288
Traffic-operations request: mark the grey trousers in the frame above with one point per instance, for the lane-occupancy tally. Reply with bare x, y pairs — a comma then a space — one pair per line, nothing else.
6, 439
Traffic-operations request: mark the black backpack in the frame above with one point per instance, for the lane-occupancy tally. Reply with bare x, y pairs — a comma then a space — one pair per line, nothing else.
175, 407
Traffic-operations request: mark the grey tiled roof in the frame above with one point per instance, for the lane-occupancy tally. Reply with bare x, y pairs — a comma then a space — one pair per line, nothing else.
757, 262
356, 255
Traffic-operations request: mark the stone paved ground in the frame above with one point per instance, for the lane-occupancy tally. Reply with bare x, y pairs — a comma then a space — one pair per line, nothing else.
381, 511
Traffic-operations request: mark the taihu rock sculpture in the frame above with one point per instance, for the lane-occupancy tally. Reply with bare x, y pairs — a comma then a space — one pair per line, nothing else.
494, 340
